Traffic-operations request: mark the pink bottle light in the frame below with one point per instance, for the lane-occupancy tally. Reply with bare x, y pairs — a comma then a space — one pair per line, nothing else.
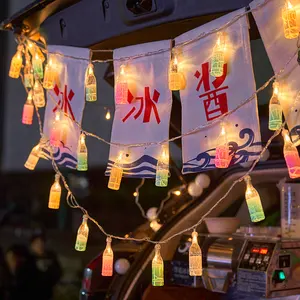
28, 110
223, 156
55, 135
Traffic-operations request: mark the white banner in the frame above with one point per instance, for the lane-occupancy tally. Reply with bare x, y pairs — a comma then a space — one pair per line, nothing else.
144, 116
69, 96
206, 98
280, 50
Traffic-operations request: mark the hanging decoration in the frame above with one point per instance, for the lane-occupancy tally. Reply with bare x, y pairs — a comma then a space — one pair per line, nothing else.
289, 17
162, 167
34, 155
37, 64
28, 72
108, 259
82, 155
116, 173
16, 63
157, 268
55, 193
176, 77
223, 155
28, 110
90, 84
121, 86
207, 98
82, 235
218, 56
50, 74
38, 94
275, 110
195, 257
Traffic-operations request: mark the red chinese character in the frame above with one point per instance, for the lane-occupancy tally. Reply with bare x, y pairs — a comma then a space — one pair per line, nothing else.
146, 103
64, 102
215, 101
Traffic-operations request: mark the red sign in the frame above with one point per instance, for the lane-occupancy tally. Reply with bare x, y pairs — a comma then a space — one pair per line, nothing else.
65, 101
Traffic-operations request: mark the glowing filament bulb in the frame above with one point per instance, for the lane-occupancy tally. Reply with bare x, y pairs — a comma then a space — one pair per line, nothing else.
16, 64
55, 193
82, 235
253, 202
28, 73
28, 110
195, 257
218, 56
162, 168
50, 74
56, 131
121, 89
82, 154
116, 174
37, 66
289, 17
33, 158
176, 78
291, 156
90, 84
223, 156
38, 94
107, 259
275, 110
157, 268
155, 226
107, 116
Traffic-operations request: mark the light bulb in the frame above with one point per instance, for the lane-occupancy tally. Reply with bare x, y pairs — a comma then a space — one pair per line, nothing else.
135, 194
107, 259
195, 257
155, 226
223, 156
28, 110
37, 65
253, 202
121, 88
107, 116
275, 110
38, 94
82, 235
55, 193
176, 78
157, 268
90, 84
177, 193
218, 56
33, 158
291, 156
16, 63
289, 18
162, 168
28, 73
82, 154
116, 173
50, 74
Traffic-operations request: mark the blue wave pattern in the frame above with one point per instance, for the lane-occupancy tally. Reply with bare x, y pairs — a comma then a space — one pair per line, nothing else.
144, 167
204, 161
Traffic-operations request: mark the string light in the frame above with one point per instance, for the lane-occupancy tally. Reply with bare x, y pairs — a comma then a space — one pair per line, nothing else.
16, 63
28, 73
121, 86
177, 193
223, 156
56, 132
55, 194
82, 154
176, 78
289, 17
90, 84
28, 110
108, 116
108, 259
218, 56
253, 201
157, 268
116, 173
50, 74
82, 235
155, 226
37, 66
195, 256
275, 110
162, 168
33, 158
291, 156
38, 94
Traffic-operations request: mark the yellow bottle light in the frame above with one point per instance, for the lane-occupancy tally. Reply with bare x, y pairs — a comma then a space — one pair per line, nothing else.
122, 86
289, 17
28, 73
16, 63
28, 110
291, 156
223, 156
38, 94
55, 193
116, 173
275, 110
195, 257
157, 268
82, 154
253, 202
90, 84
37, 64
108, 259
218, 56
33, 158
82, 235
50, 74
162, 168
176, 78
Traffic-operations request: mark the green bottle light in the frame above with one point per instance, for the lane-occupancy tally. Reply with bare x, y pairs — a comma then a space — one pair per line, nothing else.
275, 110
157, 268
162, 168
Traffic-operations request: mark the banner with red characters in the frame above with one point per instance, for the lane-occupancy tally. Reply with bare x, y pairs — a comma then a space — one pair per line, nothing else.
219, 77
143, 106
65, 104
